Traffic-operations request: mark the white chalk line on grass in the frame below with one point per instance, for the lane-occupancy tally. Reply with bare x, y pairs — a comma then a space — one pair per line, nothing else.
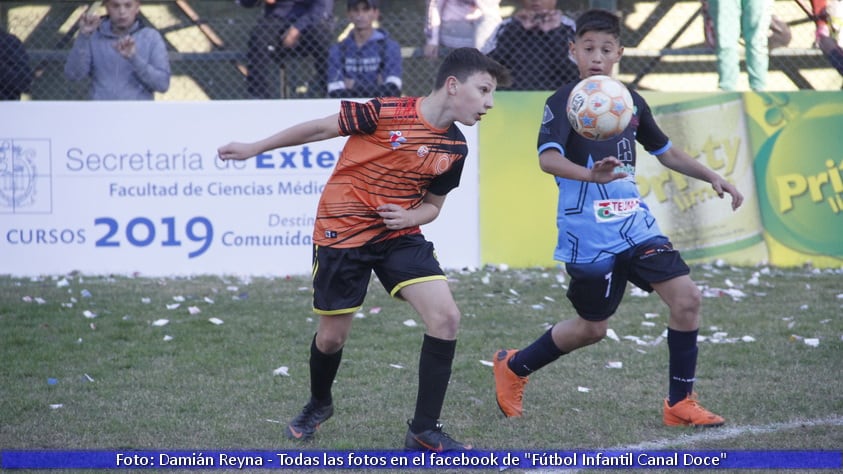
711, 434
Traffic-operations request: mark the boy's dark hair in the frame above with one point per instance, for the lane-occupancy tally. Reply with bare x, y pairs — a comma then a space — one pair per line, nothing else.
599, 20
463, 62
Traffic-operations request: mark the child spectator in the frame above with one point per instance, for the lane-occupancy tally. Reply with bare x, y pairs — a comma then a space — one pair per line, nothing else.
125, 58
367, 63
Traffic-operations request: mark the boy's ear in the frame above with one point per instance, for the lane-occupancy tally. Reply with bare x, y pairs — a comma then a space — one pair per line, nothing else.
451, 84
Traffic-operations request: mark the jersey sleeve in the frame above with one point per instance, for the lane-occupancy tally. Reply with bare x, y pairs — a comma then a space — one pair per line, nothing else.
359, 118
447, 181
649, 135
555, 127
450, 179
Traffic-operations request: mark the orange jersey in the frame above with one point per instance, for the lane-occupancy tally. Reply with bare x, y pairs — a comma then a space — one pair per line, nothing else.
392, 156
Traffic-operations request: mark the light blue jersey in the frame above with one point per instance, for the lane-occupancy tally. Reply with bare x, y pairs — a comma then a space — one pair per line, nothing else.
597, 221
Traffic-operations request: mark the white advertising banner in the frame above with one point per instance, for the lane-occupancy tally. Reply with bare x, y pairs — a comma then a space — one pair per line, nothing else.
136, 188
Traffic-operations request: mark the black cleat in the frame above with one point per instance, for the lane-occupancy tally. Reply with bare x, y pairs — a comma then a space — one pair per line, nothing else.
304, 426
433, 440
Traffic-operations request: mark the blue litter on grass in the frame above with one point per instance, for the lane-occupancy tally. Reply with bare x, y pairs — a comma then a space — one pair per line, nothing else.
52, 381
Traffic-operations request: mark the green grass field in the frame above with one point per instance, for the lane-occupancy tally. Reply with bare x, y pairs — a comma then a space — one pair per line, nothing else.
89, 364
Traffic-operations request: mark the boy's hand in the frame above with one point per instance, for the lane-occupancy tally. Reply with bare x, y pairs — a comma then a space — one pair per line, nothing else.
235, 151
720, 186
603, 171
89, 22
394, 216
126, 46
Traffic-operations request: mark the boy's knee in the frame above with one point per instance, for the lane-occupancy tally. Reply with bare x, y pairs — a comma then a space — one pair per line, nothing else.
329, 343
445, 325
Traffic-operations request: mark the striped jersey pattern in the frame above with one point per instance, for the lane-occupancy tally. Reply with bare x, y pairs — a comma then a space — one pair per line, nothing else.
392, 156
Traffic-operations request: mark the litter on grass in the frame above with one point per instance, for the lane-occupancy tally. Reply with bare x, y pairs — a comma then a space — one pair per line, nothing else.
89, 314
487, 363
396, 366
614, 364
216, 321
283, 370
160, 322
193, 310
583, 389
173, 306
410, 323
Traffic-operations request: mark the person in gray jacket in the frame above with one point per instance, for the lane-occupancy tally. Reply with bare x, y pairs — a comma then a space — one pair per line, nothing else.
125, 58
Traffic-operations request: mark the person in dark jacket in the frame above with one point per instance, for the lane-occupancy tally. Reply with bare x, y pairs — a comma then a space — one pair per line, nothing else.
15, 71
288, 28
534, 44
366, 63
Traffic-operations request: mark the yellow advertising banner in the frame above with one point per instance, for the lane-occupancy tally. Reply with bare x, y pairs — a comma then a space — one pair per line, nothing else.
797, 141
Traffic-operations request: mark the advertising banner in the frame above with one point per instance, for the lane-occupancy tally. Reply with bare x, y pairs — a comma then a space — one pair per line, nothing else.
712, 130
136, 187
797, 141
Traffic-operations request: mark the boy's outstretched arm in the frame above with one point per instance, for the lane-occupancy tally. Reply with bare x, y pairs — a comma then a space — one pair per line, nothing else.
680, 161
305, 132
603, 171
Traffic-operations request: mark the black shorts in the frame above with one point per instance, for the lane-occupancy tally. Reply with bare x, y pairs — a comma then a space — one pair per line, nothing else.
596, 289
341, 275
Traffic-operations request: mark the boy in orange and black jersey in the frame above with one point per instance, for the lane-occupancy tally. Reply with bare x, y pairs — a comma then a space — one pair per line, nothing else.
402, 157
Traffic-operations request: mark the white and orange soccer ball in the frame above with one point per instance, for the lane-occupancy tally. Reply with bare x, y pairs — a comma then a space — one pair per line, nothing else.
599, 108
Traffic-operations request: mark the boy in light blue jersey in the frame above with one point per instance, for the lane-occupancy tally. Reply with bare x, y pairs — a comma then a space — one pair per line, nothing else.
608, 236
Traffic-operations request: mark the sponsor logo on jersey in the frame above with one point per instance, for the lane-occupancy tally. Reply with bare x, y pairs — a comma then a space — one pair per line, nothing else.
610, 210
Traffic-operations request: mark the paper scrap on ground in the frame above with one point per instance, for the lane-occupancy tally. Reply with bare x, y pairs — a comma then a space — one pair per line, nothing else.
216, 321
410, 323
283, 370
487, 363
160, 322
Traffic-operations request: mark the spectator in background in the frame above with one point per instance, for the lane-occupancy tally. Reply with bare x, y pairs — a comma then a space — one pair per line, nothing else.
459, 23
125, 58
534, 44
820, 19
731, 20
366, 63
832, 50
288, 28
15, 71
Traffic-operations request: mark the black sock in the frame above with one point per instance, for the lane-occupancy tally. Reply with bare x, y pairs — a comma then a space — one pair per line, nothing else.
535, 356
323, 370
682, 346
435, 360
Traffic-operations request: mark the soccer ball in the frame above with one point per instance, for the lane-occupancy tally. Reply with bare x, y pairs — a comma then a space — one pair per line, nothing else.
599, 108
